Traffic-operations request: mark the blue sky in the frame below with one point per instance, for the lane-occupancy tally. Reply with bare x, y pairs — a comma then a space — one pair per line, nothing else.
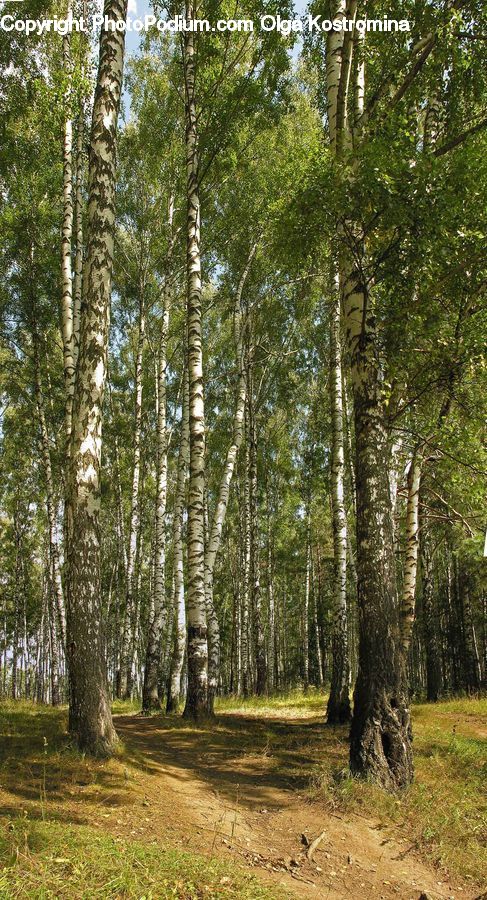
142, 7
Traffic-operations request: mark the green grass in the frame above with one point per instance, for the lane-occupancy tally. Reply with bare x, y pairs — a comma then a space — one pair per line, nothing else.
293, 704
445, 811
47, 859
44, 854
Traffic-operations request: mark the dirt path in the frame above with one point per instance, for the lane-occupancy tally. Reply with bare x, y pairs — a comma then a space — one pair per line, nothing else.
237, 790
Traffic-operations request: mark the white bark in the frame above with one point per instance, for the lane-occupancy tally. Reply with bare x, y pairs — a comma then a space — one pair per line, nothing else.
54, 564
307, 593
78, 257
128, 635
150, 699
412, 544
214, 541
338, 702
177, 660
90, 717
334, 49
66, 241
196, 700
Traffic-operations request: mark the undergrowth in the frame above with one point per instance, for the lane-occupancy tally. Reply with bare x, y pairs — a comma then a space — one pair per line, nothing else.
444, 813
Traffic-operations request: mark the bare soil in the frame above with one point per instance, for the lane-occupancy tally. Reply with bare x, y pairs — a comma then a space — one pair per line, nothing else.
237, 788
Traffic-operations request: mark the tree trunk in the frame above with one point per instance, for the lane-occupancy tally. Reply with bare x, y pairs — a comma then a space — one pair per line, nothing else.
89, 715
54, 564
473, 675
218, 520
66, 242
18, 587
254, 558
79, 206
316, 629
307, 593
407, 608
271, 641
430, 623
179, 644
196, 700
338, 708
129, 622
54, 667
380, 739
150, 693
246, 579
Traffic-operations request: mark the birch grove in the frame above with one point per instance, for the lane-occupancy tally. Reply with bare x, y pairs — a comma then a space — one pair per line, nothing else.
242, 394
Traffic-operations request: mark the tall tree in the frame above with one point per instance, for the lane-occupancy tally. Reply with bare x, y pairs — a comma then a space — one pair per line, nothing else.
90, 718
196, 700
338, 707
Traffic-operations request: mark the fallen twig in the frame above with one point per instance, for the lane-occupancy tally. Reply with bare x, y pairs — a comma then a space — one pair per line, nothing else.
314, 845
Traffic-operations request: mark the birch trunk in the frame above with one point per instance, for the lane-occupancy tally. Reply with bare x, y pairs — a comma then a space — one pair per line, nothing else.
246, 580
407, 607
54, 666
271, 643
54, 564
316, 627
473, 673
78, 256
380, 739
307, 593
380, 746
219, 514
150, 694
129, 622
254, 549
338, 708
430, 624
89, 715
179, 645
196, 700
14, 686
66, 242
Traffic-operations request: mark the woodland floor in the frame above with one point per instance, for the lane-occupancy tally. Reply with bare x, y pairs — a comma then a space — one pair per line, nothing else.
241, 797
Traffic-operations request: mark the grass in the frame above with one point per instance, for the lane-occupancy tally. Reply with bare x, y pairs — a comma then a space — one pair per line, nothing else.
47, 839
49, 845
47, 859
294, 705
445, 810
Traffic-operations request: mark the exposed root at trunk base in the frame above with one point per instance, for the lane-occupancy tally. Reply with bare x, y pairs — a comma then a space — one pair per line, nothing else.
380, 747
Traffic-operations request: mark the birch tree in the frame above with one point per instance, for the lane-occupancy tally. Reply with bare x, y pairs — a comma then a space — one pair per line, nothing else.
196, 701
125, 685
90, 718
338, 707
150, 696
178, 598
213, 545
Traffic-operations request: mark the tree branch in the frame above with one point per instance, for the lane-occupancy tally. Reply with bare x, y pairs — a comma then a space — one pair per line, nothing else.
460, 138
